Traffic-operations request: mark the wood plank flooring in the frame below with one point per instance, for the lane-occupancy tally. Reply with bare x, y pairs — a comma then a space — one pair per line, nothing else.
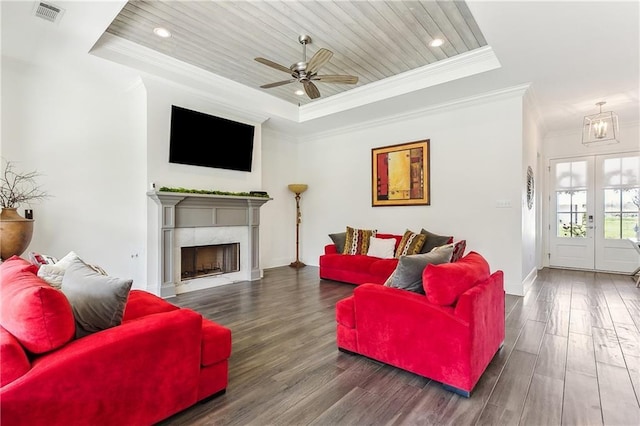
571, 357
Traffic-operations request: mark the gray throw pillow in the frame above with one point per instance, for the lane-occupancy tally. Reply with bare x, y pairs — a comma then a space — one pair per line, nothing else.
408, 273
433, 240
339, 240
97, 300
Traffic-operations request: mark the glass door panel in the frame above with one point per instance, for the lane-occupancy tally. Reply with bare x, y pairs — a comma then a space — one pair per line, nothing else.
571, 237
617, 207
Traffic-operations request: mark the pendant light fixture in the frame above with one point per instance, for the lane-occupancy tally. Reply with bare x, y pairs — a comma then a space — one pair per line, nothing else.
600, 128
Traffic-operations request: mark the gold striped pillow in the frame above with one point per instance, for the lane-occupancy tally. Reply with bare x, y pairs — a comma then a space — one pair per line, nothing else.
411, 243
357, 240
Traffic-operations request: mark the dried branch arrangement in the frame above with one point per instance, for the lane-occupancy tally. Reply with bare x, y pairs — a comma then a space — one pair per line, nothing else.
17, 188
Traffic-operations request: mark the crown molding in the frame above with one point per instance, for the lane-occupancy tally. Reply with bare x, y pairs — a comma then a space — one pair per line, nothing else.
227, 91
492, 96
226, 110
464, 65
223, 90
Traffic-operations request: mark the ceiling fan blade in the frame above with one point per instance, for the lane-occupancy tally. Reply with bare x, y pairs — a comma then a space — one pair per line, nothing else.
346, 79
319, 59
272, 64
311, 89
277, 83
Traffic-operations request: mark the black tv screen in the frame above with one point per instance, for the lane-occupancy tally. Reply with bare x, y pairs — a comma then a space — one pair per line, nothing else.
200, 139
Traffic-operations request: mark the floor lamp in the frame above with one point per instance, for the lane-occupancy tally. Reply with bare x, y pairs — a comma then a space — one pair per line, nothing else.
297, 188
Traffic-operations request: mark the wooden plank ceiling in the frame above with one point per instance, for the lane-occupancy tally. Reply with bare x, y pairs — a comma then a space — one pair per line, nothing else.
372, 40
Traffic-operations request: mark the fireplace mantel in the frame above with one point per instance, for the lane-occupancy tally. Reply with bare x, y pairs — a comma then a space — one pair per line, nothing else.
188, 210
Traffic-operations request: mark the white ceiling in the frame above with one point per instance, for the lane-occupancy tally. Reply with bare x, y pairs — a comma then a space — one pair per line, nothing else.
572, 54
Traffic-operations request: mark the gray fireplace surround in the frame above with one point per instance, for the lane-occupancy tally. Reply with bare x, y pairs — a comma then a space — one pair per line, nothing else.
190, 210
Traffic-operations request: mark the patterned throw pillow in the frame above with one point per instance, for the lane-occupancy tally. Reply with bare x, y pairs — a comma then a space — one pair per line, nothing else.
357, 241
411, 243
458, 250
53, 274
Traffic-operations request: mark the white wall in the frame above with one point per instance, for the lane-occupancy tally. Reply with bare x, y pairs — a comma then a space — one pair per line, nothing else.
280, 167
530, 217
80, 132
476, 153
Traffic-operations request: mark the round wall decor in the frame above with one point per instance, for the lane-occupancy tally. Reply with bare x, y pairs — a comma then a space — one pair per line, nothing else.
530, 191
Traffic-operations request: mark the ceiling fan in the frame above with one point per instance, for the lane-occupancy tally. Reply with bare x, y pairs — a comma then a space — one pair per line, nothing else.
307, 72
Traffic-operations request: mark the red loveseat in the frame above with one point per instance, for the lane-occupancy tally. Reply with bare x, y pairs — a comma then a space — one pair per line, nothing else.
449, 335
356, 268
159, 361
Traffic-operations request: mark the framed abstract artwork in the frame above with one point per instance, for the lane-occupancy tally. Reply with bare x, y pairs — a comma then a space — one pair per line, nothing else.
400, 175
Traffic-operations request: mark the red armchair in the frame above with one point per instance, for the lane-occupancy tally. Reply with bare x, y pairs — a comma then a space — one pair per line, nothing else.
451, 342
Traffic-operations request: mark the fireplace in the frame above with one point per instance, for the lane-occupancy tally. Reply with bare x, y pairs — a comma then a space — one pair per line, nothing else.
202, 261
196, 220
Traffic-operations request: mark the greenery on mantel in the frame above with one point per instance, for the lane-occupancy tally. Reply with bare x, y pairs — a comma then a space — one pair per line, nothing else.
210, 192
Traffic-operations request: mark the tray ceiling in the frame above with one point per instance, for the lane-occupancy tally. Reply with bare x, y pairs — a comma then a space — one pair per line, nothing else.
372, 40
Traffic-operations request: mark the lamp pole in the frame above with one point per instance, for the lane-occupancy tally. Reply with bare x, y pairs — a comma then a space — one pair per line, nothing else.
297, 189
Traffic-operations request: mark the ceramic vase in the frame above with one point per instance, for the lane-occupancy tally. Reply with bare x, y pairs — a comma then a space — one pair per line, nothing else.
15, 233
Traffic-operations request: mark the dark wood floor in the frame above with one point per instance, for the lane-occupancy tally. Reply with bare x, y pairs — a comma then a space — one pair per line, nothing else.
571, 357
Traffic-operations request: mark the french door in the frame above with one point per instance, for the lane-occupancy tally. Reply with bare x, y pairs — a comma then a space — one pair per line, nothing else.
594, 204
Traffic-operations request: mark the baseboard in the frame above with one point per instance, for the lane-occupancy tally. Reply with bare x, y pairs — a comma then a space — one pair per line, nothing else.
529, 279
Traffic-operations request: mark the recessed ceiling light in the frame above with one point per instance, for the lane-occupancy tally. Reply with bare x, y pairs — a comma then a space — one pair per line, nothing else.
436, 42
162, 32
299, 92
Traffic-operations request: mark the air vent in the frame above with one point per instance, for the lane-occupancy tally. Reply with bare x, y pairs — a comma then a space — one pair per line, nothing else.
48, 11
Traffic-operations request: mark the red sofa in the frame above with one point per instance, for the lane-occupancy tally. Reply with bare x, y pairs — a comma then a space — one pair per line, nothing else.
449, 335
159, 361
356, 268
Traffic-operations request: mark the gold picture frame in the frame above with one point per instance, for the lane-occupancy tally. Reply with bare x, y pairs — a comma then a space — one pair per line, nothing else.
400, 175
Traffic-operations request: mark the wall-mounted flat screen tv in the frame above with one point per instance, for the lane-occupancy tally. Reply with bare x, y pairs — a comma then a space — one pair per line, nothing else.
200, 139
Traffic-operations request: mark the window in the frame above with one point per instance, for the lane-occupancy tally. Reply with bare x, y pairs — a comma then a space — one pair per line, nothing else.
571, 199
621, 178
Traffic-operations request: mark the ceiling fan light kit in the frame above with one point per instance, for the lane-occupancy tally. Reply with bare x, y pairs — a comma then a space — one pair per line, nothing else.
600, 128
306, 72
